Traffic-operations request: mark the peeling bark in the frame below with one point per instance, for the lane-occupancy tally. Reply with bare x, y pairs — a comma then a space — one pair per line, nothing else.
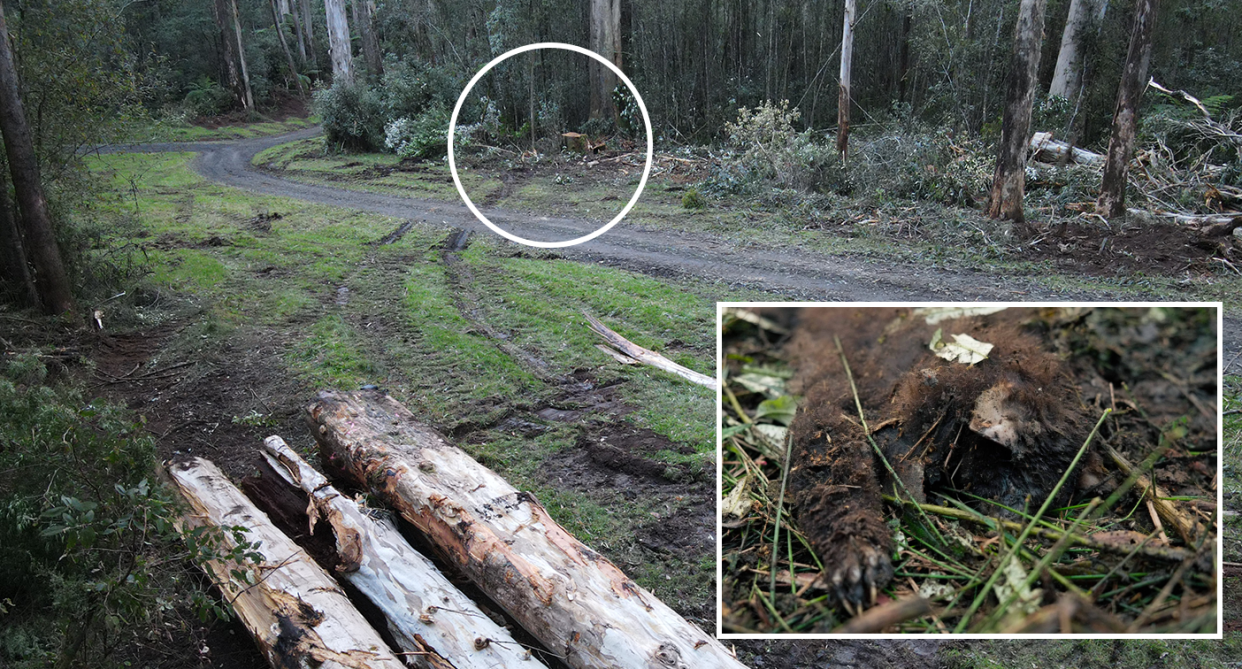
338, 42
843, 97
572, 599
296, 613
1112, 200
1009, 180
427, 615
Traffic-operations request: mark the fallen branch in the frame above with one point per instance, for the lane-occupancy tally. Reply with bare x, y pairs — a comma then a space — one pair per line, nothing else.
1048, 150
427, 615
566, 595
1186, 527
645, 356
296, 613
882, 617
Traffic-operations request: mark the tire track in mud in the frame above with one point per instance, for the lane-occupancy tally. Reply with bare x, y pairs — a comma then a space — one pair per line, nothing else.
786, 273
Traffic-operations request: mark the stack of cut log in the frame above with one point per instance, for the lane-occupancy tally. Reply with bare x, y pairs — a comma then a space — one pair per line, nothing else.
577, 604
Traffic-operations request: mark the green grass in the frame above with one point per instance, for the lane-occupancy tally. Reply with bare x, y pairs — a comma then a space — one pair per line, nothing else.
344, 313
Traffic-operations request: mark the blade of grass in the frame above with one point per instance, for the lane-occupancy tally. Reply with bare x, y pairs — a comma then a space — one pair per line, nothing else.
987, 588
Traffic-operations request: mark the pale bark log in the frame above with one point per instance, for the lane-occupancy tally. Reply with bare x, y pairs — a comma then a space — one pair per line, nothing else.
338, 42
364, 21
1112, 200
51, 281
605, 39
296, 613
1084, 15
241, 55
428, 616
646, 356
1209, 225
1048, 150
566, 595
1009, 180
284, 46
843, 93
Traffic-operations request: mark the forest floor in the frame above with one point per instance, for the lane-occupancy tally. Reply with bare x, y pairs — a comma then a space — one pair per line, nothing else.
260, 298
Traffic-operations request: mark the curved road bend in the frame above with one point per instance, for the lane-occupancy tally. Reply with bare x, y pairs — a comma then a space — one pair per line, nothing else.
785, 272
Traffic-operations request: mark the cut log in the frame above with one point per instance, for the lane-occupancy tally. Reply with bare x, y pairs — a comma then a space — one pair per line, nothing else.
296, 613
648, 357
566, 595
1048, 150
430, 619
1208, 225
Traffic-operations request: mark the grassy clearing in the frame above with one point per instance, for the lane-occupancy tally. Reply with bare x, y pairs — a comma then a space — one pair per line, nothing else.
344, 313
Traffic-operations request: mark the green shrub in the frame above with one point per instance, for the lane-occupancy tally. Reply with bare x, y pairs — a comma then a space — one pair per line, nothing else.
923, 164
207, 98
693, 199
424, 136
353, 116
412, 87
91, 557
765, 149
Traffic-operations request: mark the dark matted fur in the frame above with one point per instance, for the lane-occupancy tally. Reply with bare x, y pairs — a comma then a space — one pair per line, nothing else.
927, 417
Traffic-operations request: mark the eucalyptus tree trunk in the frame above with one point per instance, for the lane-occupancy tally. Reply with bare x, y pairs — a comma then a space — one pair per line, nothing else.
1009, 180
284, 46
14, 270
241, 56
51, 281
338, 42
308, 30
843, 96
228, 50
1067, 76
364, 21
606, 41
1112, 200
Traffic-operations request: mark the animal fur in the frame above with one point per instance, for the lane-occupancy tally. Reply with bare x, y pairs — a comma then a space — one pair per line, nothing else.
1005, 429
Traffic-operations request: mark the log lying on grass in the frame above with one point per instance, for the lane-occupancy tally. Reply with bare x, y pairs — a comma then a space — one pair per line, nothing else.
566, 595
297, 614
429, 617
645, 356
1048, 150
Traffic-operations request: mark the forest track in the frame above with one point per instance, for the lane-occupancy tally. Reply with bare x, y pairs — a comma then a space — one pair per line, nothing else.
784, 272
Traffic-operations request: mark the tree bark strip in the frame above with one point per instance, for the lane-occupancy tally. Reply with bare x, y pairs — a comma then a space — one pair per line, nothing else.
1067, 75
645, 356
364, 21
1009, 179
284, 46
51, 281
605, 38
568, 596
338, 42
296, 613
843, 96
15, 269
308, 28
220, 10
427, 615
1112, 200
241, 55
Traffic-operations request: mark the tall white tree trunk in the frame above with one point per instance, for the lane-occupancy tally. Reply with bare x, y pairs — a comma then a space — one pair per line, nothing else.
843, 97
1009, 180
241, 56
606, 41
1112, 200
338, 42
1084, 15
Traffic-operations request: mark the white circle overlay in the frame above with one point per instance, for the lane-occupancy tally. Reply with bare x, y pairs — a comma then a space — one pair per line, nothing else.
453, 129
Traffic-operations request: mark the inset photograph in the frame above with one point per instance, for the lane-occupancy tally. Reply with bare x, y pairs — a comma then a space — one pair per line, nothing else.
970, 469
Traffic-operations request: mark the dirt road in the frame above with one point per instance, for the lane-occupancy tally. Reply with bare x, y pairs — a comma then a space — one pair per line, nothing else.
787, 273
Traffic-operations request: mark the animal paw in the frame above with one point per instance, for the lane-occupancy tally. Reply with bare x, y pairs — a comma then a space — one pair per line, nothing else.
858, 572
